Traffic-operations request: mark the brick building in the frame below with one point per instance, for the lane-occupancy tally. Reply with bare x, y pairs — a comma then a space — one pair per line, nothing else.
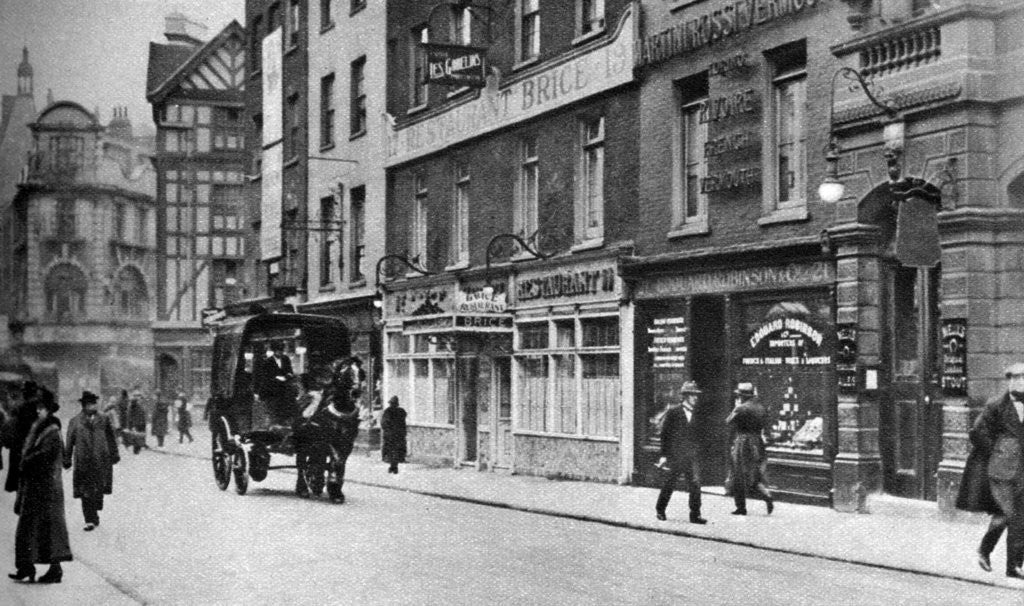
83, 254
742, 273
347, 49
506, 359
277, 141
196, 89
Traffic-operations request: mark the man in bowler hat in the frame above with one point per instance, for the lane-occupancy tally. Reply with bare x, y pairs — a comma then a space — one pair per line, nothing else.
997, 437
679, 453
92, 449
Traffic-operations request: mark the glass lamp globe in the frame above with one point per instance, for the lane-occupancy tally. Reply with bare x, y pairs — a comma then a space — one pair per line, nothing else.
831, 190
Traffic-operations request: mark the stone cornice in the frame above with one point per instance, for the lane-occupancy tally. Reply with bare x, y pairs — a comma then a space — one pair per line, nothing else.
986, 219
853, 234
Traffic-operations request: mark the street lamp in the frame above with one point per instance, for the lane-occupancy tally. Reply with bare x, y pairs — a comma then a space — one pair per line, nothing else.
916, 200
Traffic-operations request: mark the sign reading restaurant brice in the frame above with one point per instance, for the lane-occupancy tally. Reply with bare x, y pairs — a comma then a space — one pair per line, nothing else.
577, 78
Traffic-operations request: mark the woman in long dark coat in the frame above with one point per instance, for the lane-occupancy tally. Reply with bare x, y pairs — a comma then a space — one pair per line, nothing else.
16, 430
92, 448
747, 457
137, 422
42, 533
393, 429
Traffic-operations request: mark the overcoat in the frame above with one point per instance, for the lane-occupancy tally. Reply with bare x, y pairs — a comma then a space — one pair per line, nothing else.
747, 457
393, 430
159, 422
679, 439
136, 416
42, 533
92, 448
15, 431
995, 454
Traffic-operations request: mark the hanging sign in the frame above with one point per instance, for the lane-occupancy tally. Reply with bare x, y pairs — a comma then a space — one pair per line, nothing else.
454, 65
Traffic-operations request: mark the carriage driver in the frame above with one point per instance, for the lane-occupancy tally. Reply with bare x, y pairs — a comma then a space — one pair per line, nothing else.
273, 384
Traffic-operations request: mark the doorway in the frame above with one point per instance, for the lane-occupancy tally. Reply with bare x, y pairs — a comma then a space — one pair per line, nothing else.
911, 411
710, 369
469, 396
169, 374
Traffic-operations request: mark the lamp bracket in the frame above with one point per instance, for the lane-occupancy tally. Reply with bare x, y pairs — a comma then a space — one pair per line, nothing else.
412, 264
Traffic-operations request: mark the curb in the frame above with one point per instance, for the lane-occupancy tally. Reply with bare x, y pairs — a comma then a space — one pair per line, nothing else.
641, 527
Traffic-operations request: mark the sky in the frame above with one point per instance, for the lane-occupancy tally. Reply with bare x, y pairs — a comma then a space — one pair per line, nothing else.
94, 52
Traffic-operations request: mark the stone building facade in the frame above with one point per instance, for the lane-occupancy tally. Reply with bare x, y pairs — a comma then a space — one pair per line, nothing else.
83, 256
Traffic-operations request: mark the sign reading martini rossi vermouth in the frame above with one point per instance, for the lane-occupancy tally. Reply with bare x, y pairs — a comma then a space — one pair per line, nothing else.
579, 77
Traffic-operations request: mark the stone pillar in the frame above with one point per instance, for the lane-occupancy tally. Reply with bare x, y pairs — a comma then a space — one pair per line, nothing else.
857, 468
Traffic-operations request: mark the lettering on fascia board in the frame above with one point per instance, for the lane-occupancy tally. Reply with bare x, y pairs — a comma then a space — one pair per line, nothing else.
734, 18
580, 77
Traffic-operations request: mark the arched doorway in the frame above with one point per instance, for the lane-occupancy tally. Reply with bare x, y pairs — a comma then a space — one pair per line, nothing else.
169, 374
910, 406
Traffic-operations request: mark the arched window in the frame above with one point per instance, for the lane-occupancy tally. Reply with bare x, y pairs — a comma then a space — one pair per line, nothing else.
131, 299
65, 289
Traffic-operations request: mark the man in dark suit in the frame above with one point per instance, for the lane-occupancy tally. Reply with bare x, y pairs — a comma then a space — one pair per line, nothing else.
274, 384
997, 436
679, 453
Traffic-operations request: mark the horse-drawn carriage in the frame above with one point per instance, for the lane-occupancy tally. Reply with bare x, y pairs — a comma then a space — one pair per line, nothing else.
245, 428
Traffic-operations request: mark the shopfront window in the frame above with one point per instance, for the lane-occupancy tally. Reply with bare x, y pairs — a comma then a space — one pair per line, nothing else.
788, 354
422, 376
568, 376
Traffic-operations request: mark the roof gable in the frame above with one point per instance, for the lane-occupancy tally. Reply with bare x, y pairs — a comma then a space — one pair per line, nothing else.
219, 65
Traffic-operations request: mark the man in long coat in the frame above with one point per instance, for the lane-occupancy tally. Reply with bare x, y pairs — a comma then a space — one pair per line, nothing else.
747, 456
92, 449
679, 444
137, 422
993, 479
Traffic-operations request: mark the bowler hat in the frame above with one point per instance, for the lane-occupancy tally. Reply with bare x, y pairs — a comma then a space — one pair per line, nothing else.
690, 387
1015, 369
88, 397
745, 390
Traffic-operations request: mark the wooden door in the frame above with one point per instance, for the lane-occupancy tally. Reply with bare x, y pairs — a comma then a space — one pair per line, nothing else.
503, 409
911, 414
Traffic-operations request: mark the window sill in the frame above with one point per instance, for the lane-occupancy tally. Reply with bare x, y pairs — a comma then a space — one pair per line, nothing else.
457, 266
327, 28
356, 8
587, 37
525, 63
785, 215
697, 228
291, 162
326, 288
415, 110
255, 74
564, 436
588, 245
291, 49
327, 146
357, 284
357, 135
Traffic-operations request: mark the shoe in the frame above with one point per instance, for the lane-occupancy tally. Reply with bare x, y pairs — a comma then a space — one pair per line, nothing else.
697, 520
338, 499
770, 504
25, 573
660, 515
89, 527
984, 562
1013, 573
740, 512
53, 575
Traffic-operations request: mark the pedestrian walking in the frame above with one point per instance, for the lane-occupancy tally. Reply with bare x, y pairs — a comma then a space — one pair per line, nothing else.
158, 423
42, 533
137, 422
993, 480
16, 430
679, 453
184, 411
92, 449
748, 458
393, 430
122, 417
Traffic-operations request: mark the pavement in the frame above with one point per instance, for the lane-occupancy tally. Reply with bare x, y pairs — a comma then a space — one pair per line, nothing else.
902, 535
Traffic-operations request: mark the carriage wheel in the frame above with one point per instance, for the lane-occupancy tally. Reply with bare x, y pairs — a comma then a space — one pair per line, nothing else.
221, 465
259, 462
240, 469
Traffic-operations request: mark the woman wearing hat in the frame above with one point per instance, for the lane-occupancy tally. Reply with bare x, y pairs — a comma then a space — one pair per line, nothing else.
393, 430
42, 533
92, 448
747, 457
159, 422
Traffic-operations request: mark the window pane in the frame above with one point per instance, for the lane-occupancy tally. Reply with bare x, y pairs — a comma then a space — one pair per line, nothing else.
600, 332
533, 336
532, 397
599, 395
564, 395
